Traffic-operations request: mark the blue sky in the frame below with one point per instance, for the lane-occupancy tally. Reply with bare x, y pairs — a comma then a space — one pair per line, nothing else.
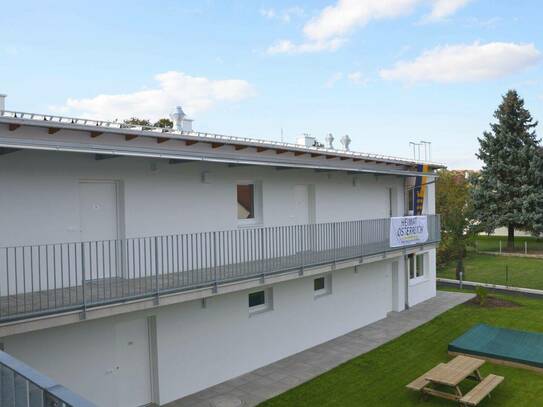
388, 74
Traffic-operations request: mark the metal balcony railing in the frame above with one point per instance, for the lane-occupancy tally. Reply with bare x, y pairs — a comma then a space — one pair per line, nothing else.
20, 385
52, 278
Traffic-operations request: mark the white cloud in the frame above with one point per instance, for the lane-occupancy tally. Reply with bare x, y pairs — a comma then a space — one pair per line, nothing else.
345, 15
445, 8
285, 15
334, 23
195, 94
288, 47
268, 12
464, 63
357, 78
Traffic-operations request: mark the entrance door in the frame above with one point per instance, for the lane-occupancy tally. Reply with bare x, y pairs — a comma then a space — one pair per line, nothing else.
304, 204
133, 363
98, 210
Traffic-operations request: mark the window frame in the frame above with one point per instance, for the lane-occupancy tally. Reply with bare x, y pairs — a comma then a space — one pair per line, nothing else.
413, 261
327, 289
266, 306
257, 204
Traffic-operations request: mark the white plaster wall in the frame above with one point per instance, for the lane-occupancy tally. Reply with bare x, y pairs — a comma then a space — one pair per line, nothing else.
424, 289
199, 347
297, 322
39, 202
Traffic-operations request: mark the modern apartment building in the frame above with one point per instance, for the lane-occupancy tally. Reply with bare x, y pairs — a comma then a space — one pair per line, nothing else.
139, 265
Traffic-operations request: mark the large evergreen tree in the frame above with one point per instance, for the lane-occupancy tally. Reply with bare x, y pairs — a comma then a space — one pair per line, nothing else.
509, 189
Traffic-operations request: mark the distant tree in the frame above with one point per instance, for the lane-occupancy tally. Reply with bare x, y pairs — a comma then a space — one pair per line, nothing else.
164, 123
458, 227
509, 189
137, 122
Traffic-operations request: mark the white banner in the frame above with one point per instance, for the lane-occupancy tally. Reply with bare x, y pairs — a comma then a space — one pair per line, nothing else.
408, 230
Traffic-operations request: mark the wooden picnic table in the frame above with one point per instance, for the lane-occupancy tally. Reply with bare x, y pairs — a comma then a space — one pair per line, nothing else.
451, 375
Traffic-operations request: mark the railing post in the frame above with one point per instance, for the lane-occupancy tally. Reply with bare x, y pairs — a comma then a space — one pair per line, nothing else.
301, 231
83, 280
215, 260
334, 240
156, 271
262, 267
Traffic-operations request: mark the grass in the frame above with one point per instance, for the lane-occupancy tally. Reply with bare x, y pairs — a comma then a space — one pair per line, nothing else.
378, 378
492, 244
522, 271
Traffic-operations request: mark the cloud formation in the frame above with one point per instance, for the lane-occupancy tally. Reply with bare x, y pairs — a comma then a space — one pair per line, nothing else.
464, 63
195, 94
285, 15
330, 28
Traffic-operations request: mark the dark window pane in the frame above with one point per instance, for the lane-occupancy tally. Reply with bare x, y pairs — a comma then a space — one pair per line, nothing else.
411, 265
318, 284
420, 265
246, 201
256, 299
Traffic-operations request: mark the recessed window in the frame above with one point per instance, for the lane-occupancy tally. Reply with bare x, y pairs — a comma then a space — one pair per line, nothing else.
322, 285
260, 301
319, 284
257, 299
246, 201
415, 263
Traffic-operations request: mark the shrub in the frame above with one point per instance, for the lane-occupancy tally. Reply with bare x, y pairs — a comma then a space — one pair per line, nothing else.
482, 295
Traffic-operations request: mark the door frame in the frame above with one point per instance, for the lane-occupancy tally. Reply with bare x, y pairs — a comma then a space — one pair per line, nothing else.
119, 203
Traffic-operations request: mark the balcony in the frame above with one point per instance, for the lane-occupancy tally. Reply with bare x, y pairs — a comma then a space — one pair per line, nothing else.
55, 278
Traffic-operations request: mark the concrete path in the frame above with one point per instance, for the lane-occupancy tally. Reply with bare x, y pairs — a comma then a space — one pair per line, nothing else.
276, 378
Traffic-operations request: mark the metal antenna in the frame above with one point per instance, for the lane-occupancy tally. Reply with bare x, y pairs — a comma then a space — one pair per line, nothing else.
427, 150
416, 146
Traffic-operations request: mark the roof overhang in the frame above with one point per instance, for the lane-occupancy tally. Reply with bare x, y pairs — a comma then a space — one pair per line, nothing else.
212, 148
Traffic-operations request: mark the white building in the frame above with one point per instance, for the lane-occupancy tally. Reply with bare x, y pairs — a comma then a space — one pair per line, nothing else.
138, 266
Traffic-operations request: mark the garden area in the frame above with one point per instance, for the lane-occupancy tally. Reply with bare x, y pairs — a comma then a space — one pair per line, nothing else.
501, 270
378, 378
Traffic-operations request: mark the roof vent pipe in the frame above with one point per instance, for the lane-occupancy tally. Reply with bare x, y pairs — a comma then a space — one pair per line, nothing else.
329, 139
346, 141
2, 102
177, 118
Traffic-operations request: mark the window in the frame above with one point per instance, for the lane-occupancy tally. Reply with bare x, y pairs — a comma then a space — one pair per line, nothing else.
257, 299
249, 202
322, 285
415, 264
319, 284
410, 198
246, 201
260, 301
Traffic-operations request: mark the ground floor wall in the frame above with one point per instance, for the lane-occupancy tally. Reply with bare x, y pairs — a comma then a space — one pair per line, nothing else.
170, 352
424, 288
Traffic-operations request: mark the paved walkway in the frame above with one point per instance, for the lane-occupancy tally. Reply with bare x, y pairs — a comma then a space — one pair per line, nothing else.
271, 380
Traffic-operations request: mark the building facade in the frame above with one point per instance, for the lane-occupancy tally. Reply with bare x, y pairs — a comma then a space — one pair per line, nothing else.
152, 263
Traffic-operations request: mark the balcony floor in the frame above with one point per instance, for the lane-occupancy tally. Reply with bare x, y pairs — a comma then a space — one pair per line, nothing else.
103, 290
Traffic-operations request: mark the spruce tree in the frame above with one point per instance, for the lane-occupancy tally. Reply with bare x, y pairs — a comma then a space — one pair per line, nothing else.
509, 188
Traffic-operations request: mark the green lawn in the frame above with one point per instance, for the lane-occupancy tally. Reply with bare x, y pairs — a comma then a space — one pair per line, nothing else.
378, 378
492, 243
522, 271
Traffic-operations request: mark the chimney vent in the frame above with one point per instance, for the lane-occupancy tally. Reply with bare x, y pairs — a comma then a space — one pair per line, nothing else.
177, 118
2, 102
346, 141
306, 140
329, 140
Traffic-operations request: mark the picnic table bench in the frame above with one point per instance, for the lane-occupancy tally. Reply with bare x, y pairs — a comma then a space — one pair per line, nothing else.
451, 375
